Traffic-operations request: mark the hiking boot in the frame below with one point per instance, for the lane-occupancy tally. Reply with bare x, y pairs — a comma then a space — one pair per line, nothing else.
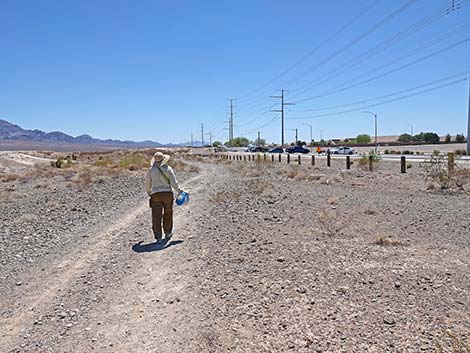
168, 236
158, 238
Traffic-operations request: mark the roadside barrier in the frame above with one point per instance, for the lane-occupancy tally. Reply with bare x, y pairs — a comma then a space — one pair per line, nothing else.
450, 162
258, 157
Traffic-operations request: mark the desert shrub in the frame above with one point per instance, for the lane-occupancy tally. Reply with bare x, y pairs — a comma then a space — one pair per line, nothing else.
103, 162
437, 171
407, 152
461, 152
453, 345
364, 160
85, 177
332, 222
10, 177
226, 196
134, 161
387, 241
62, 163
387, 151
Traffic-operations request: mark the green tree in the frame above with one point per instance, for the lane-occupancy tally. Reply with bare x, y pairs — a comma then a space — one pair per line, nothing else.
217, 144
448, 138
241, 142
301, 143
460, 138
431, 137
363, 138
405, 138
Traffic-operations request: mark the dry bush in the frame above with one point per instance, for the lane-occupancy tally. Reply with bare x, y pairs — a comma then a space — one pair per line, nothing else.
134, 161
333, 200
437, 172
10, 177
181, 165
260, 186
85, 177
455, 345
103, 162
226, 196
331, 222
387, 241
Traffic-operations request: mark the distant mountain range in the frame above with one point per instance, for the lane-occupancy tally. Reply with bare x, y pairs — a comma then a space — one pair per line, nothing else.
10, 131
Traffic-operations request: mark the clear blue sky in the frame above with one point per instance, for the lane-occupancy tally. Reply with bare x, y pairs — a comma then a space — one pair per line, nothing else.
158, 69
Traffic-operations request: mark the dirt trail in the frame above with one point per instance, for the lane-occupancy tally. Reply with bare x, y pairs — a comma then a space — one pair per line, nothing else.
105, 294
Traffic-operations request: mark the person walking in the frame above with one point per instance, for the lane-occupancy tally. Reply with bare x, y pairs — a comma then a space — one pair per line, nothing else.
160, 184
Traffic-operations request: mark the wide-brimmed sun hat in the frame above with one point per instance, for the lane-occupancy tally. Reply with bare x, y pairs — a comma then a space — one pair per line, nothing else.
159, 158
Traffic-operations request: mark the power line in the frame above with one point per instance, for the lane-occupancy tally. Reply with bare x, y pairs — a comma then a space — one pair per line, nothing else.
314, 50
356, 40
369, 54
360, 83
387, 95
381, 103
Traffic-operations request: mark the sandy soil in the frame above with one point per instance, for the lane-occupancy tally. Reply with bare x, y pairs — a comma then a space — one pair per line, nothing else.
265, 258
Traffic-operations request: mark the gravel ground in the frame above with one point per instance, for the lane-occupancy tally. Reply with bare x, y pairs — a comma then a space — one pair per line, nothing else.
264, 259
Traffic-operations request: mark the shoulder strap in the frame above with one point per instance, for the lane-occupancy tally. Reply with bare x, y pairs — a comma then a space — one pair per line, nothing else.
163, 174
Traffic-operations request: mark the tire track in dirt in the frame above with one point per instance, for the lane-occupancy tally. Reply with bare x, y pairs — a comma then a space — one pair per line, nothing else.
70, 271
65, 274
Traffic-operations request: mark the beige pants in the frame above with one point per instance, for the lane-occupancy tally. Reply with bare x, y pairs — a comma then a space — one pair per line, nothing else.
162, 208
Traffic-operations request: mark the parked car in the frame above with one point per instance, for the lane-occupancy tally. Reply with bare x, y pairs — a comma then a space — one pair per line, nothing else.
276, 150
343, 150
297, 149
258, 149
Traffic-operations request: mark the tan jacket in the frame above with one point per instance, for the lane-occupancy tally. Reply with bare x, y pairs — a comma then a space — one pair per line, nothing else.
156, 182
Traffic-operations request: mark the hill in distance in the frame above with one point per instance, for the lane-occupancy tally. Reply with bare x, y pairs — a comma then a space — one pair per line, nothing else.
14, 133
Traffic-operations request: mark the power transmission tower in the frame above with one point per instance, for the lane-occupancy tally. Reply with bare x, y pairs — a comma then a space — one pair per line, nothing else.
192, 143
259, 138
202, 135
283, 104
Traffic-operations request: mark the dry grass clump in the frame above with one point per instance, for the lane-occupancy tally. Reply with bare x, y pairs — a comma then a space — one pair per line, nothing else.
134, 161
260, 186
226, 196
333, 200
455, 345
8, 177
387, 241
331, 222
179, 164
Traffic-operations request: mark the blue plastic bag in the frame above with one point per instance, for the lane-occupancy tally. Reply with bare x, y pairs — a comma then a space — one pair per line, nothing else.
182, 198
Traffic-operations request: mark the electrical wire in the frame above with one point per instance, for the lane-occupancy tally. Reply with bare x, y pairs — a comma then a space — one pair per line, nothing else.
380, 103
464, 73
360, 83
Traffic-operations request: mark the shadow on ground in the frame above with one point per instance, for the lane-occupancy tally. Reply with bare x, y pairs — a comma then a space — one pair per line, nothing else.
151, 247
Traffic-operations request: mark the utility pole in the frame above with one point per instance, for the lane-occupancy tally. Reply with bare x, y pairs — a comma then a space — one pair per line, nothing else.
296, 135
311, 135
202, 135
411, 130
468, 122
192, 144
210, 137
283, 104
259, 138
375, 118
231, 123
